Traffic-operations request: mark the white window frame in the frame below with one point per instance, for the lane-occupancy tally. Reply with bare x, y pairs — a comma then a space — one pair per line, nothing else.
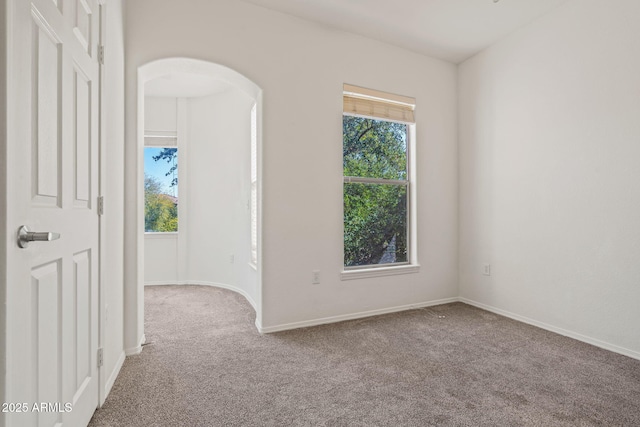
376, 105
161, 139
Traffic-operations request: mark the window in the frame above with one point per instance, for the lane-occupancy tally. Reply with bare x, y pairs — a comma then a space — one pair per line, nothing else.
160, 189
254, 186
376, 178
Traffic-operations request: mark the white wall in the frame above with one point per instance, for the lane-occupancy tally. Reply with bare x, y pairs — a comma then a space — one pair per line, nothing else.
549, 175
113, 190
214, 159
161, 258
160, 114
218, 129
301, 68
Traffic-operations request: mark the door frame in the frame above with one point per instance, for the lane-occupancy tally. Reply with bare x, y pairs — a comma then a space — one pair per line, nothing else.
102, 179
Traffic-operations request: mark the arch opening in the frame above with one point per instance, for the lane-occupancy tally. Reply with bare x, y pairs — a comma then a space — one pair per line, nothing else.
210, 117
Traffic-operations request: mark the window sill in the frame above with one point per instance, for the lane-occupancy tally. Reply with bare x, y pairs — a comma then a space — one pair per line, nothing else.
160, 235
365, 273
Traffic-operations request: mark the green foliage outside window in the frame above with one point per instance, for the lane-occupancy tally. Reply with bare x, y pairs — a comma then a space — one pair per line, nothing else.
375, 214
160, 210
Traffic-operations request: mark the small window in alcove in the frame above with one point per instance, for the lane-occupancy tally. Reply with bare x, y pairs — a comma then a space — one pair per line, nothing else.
160, 184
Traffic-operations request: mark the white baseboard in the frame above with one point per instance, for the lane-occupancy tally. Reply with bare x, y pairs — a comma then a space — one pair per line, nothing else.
114, 374
166, 283
135, 350
593, 341
343, 317
205, 283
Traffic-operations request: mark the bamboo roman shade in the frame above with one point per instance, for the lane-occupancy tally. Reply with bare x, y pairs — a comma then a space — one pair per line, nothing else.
359, 101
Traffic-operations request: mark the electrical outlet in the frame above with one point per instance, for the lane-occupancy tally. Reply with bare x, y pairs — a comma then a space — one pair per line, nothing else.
315, 277
486, 269
232, 259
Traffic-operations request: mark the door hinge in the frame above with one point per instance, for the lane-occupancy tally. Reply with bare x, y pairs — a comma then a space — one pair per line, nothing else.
100, 357
100, 205
101, 54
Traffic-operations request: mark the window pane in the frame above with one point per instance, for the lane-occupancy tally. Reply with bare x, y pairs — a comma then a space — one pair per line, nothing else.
375, 224
160, 189
374, 148
254, 222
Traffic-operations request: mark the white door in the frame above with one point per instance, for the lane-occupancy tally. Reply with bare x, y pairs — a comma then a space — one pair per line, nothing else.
52, 289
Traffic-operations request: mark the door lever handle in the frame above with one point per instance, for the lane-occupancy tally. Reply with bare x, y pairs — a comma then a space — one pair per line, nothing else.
25, 236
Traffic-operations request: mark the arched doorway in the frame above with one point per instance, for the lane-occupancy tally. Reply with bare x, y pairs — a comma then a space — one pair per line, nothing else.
216, 136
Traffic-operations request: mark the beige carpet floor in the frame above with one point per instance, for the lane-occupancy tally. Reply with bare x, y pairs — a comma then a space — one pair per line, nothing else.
451, 365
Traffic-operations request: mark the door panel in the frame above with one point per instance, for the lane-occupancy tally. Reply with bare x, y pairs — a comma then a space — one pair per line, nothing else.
52, 291
82, 117
46, 324
83, 320
83, 23
46, 136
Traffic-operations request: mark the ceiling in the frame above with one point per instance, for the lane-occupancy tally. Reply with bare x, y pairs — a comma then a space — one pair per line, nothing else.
185, 85
453, 30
